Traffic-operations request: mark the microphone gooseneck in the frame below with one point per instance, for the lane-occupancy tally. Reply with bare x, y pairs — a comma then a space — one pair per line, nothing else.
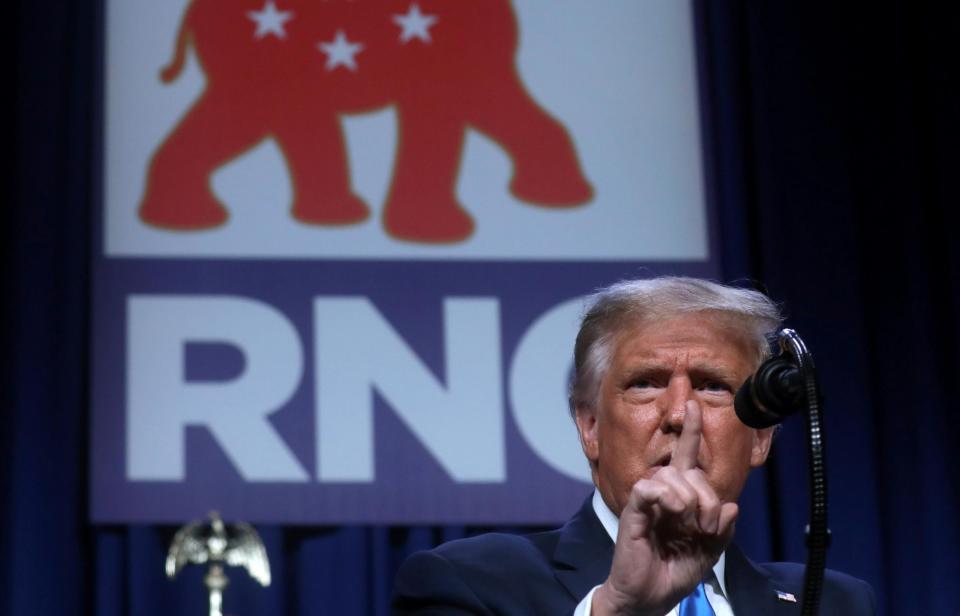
782, 386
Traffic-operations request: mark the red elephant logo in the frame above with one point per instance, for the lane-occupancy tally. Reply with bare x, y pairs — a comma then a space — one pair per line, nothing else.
286, 70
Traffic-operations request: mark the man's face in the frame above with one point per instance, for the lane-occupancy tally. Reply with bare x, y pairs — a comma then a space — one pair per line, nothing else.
655, 368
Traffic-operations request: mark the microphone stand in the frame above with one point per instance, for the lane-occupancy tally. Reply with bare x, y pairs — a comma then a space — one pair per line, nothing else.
817, 533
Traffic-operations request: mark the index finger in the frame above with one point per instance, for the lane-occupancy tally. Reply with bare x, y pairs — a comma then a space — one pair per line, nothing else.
688, 445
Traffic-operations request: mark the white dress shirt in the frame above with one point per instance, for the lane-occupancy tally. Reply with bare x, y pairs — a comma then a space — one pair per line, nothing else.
715, 586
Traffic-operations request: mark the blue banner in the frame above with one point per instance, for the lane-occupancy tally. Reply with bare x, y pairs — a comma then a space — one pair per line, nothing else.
344, 247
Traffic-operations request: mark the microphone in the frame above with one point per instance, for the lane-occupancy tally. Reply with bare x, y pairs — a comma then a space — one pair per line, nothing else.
780, 387
774, 392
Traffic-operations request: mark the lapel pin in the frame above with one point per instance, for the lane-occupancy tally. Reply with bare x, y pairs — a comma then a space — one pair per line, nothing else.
786, 596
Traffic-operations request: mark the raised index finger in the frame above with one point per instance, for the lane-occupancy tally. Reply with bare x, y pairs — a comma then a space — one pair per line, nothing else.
688, 445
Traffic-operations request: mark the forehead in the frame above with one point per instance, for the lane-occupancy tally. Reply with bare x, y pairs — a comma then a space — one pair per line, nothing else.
690, 337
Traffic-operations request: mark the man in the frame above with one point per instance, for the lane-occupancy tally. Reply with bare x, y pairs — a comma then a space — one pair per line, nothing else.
656, 366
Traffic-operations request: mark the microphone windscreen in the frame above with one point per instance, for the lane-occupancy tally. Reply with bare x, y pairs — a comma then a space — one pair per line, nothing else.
749, 409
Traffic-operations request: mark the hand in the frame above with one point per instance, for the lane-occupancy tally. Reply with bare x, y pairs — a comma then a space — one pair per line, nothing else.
672, 530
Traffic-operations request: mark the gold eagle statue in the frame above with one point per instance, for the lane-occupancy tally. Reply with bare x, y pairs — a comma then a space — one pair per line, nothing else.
217, 544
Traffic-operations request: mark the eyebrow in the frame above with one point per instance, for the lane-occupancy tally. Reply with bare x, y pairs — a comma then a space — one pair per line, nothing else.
712, 372
697, 371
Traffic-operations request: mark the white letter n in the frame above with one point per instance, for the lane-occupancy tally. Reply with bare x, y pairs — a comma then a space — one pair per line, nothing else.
461, 424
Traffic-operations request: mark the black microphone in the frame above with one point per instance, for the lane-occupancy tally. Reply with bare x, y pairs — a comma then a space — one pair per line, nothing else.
782, 386
775, 391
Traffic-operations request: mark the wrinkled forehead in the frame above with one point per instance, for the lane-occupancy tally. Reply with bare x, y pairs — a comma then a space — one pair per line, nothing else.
703, 332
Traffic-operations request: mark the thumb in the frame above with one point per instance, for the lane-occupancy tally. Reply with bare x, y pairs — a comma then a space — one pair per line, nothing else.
727, 523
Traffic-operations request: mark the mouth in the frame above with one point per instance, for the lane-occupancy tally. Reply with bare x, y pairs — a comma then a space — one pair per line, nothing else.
666, 458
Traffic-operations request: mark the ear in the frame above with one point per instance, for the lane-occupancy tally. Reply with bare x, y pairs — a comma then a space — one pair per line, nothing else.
762, 440
587, 425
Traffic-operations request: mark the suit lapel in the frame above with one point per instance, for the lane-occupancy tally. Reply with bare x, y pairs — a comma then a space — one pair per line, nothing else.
751, 589
583, 554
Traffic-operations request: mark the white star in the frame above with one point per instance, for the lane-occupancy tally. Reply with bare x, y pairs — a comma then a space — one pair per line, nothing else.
341, 51
270, 20
415, 24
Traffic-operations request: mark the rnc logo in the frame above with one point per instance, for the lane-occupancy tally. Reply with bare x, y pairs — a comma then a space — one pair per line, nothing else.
378, 210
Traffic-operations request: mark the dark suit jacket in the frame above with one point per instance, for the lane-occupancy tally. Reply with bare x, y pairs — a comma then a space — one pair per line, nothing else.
550, 572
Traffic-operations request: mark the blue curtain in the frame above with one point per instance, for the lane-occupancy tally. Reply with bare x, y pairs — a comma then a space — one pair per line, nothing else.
832, 135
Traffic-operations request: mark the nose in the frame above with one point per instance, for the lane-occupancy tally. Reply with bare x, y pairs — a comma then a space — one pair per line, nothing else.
674, 404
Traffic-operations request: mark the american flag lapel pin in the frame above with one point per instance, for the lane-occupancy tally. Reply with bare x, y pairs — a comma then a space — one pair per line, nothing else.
786, 596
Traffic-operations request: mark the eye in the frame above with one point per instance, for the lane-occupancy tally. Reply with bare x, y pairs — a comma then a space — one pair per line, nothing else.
714, 387
646, 381
642, 384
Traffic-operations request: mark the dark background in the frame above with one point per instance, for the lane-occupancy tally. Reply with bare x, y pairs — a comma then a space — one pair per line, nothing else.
832, 135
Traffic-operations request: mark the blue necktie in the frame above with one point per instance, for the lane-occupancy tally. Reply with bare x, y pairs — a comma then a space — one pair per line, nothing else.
696, 604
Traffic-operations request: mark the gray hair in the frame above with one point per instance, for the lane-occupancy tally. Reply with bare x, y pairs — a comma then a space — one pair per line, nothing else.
611, 309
